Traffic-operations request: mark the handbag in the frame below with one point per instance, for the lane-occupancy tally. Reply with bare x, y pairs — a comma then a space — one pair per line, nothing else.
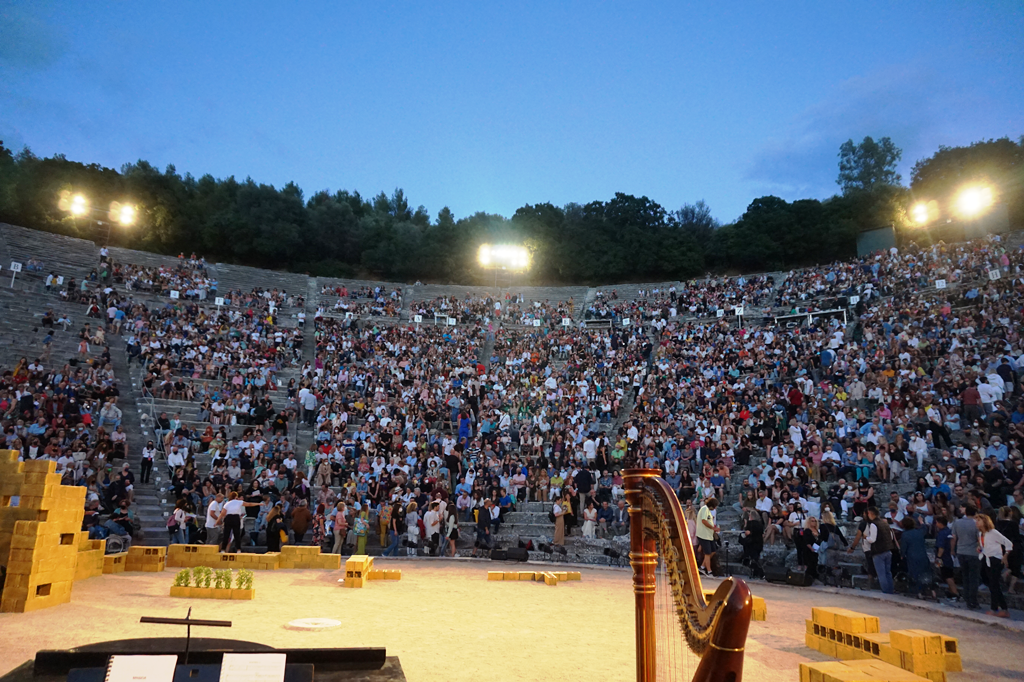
283, 536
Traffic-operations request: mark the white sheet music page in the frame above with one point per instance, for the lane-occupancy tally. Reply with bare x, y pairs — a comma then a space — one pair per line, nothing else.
252, 668
141, 668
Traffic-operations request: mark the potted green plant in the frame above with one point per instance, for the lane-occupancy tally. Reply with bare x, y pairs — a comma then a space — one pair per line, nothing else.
201, 578
222, 584
181, 588
245, 589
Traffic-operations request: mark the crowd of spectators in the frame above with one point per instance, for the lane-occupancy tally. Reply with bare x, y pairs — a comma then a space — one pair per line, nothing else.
891, 432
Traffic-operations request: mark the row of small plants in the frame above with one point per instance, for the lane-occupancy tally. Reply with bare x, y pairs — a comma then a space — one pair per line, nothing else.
221, 579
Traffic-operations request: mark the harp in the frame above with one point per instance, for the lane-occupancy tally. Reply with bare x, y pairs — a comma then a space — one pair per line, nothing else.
661, 550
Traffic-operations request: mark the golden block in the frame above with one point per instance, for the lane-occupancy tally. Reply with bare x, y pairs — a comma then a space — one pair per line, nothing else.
908, 641
815, 672
920, 664
353, 582
393, 574
495, 575
550, 579
376, 574
574, 575
511, 575
36, 466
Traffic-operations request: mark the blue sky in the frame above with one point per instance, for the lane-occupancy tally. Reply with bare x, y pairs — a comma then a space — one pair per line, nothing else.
488, 106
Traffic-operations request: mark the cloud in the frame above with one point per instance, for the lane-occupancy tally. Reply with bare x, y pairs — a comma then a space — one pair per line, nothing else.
26, 41
802, 161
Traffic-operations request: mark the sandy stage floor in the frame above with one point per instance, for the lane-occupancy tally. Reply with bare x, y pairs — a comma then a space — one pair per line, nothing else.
447, 622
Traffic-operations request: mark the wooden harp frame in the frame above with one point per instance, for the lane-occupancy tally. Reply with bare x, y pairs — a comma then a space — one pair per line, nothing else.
715, 629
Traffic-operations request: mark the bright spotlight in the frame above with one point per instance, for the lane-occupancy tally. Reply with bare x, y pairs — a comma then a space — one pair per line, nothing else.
79, 205
505, 256
973, 200
123, 213
919, 213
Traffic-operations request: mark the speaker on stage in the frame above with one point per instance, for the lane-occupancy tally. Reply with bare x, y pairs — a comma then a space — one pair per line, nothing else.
517, 554
775, 574
800, 577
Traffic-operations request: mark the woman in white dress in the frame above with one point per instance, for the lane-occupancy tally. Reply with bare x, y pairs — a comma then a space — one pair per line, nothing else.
590, 521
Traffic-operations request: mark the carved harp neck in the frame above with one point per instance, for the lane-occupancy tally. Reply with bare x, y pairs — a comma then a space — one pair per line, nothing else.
716, 628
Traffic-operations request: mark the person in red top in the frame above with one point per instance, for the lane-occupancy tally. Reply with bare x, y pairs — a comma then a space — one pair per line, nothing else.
796, 399
972, 403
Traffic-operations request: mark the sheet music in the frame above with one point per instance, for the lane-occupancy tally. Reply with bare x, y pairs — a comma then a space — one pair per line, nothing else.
141, 668
252, 668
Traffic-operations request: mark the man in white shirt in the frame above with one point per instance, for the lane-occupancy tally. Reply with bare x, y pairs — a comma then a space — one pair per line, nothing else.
175, 459
919, 447
432, 523
212, 516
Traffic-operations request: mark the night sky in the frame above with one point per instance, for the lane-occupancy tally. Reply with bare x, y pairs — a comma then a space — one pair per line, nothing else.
487, 106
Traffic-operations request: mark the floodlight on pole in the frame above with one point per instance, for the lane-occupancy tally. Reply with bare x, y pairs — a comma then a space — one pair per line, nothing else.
919, 213
122, 213
78, 205
973, 200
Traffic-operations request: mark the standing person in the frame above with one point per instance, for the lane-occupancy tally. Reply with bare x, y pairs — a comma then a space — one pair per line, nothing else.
148, 454
176, 524
276, 534
432, 524
559, 513
451, 527
944, 555
706, 529
996, 550
483, 527
965, 546
213, 511
878, 544
340, 528
319, 527
590, 521
394, 530
912, 546
231, 519
362, 527
300, 521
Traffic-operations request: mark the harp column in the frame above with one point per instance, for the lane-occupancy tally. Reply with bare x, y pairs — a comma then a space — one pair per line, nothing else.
643, 557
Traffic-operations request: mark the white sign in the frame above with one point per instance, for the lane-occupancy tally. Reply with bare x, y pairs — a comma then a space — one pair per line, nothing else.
854, 300
15, 266
60, 280
536, 323
219, 300
417, 318
175, 294
451, 322
940, 284
625, 322
993, 274
720, 312
738, 310
566, 322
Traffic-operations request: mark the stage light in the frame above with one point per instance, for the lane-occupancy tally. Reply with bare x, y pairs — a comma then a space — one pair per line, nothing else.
78, 205
504, 256
920, 213
973, 200
123, 213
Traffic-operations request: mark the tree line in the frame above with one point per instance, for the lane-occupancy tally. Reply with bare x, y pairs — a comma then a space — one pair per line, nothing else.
625, 238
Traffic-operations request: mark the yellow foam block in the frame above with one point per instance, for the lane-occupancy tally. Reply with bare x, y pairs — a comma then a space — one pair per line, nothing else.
815, 672
527, 575
574, 575
376, 574
353, 582
550, 579
495, 575
920, 664
393, 574
853, 622
885, 671
933, 643
908, 641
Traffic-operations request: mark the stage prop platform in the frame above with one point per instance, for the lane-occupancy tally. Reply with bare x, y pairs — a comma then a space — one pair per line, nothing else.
329, 665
